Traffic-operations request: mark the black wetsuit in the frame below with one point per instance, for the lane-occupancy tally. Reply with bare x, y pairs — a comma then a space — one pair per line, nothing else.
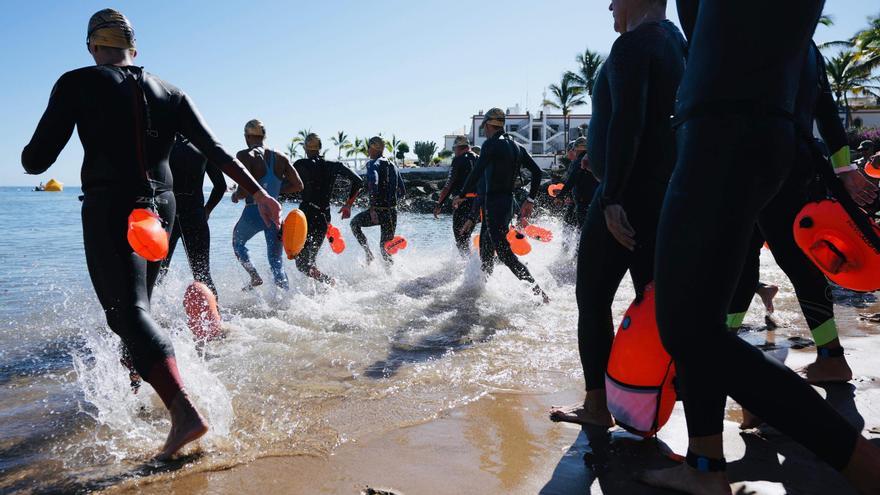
123, 142
736, 148
581, 184
632, 151
458, 173
318, 177
385, 187
499, 165
814, 101
189, 166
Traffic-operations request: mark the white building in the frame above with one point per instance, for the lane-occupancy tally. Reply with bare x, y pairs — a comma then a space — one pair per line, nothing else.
544, 133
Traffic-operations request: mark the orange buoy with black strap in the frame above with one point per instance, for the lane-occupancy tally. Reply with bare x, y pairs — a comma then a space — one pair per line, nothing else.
334, 237
146, 235
518, 242
827, 234
395, 245
537, 233
203, 318
293, 233
639, 382
554, 189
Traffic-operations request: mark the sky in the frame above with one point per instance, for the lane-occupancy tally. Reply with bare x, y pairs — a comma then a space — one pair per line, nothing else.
415, 69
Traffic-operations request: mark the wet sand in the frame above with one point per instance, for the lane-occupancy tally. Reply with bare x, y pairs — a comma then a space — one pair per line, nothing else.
503, 443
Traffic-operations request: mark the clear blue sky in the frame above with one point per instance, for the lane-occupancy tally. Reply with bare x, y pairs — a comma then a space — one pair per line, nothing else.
417, 69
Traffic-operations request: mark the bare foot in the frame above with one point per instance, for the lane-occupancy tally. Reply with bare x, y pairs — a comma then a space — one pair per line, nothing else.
863, 469
750, 421
187, 425
540, 292
767, 293
828, 370
592, 411
256, 281
687, 480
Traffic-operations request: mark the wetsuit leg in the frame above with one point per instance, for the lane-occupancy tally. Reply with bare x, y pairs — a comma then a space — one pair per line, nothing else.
706, 223
193, 225
165, 264
122, 282
748, 283
487, 248
812, 288
388, 228
275, 255
360, 221
462, 238
498, 214
318, 223
249, 224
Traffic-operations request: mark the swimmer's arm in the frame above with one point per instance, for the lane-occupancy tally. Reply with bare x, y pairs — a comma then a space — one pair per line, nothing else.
828, 122
219, 189
470, 184
192, 126
570, 179
401, 185
372, 182
291, 176
356, 182
529, 163
628, 79
687, 15
53, 131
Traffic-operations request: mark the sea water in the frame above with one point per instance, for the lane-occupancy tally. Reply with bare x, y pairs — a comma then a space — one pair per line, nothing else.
300, 371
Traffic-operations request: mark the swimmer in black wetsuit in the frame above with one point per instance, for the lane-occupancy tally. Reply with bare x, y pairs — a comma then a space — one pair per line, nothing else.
632, 152
189, 167
127, 120
385, 187
318, 177
499, 166
736, 88
579, 188
462, 217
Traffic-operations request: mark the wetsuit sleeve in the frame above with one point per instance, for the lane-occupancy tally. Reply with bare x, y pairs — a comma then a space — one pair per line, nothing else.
356, 182
628, 79
219, 183
529, 163
574, 171
401, 187
687, 16
470, 184
295, 183
53, 131
828, 121
192, 126
372, 181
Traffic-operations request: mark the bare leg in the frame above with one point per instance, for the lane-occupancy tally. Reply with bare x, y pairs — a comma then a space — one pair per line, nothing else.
187, 425
767, 293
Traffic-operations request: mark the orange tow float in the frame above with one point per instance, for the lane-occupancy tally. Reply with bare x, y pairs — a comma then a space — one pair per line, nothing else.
146, 236
334, 237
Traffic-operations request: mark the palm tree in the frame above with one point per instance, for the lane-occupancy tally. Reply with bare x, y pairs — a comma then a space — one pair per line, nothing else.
867, 43
588, 69
566, 96
848, 74
292, 150
298, 141
340, 140
393, 145
359, 147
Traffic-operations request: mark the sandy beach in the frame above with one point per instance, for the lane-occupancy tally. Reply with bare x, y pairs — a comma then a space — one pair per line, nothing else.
503, 443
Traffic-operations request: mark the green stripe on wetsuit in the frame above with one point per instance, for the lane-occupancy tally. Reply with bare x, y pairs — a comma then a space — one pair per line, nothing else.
825, 333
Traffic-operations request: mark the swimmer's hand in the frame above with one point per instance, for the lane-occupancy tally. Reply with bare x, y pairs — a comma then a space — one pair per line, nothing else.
527, 209
457, 202
619, 226
270, 210
863, 192
437, 211
468, 225
345, 211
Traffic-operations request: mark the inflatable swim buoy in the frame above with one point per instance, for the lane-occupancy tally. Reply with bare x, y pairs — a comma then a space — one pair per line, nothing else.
395, 245
146, 236
203, 318
337, 243
477, 242
554, 189
872, 168
518, 243
639, 380
829, 237
53, 186
293, 233
538, 233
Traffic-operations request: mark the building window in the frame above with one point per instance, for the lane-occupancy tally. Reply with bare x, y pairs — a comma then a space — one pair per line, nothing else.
482, 132
536, 133
514, 128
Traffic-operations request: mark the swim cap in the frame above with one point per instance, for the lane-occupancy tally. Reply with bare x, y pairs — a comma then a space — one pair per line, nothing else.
866, 144
312, 142
461, 141
580, 144
254, 128
494, 116
110, 28
377, 143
